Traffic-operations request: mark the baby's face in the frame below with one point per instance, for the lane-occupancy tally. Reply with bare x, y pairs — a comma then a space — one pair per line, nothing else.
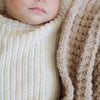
33, 11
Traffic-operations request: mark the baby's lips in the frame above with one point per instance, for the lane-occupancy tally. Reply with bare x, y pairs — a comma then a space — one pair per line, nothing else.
37, 9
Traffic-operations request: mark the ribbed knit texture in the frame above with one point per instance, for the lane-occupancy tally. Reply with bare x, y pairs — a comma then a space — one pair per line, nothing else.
78, 54
27, 61
28, 69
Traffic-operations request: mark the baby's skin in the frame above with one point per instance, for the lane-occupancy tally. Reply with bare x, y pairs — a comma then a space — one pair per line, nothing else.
32, 12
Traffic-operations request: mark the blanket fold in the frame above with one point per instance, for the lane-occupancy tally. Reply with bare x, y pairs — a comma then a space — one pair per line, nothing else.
79, 46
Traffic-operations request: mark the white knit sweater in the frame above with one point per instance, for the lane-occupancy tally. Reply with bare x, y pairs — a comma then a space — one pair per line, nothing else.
27, 61
28, 68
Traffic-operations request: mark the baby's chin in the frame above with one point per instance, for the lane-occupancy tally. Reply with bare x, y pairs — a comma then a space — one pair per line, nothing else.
32, 20
36, 21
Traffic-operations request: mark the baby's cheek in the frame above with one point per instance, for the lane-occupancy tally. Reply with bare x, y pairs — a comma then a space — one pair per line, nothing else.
53, 13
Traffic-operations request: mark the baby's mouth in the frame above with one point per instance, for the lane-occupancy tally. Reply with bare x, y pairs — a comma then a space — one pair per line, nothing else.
37, 10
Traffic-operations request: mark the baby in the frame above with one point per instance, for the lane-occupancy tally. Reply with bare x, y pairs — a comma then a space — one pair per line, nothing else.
28, 50
32, 11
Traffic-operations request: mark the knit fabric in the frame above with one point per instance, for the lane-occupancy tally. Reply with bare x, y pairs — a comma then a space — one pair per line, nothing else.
27, 61
78, 54
28, 69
